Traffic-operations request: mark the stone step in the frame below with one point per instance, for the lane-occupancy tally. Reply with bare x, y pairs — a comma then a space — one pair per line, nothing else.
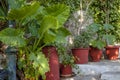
103, 76
110, 76
98, 67
103, 70
82, 77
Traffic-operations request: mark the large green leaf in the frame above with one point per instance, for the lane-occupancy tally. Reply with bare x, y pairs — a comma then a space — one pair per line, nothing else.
23, 12
98, 44
2, 13
12, 37
14, 4
33, 30
60, 11
94, 27
108, 27
49, 37
109, 38
62, 33
49, 22
39, 62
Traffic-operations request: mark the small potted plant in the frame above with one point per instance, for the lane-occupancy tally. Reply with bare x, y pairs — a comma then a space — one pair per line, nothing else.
100, 39
96, 47
112, 51
67, 63
66, 60
81, 47
97, 43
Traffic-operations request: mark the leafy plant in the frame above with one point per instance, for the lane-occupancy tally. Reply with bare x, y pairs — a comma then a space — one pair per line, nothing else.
3, 8
74, 5
35, 27
64, 57
107, 11
82, 40
101, 37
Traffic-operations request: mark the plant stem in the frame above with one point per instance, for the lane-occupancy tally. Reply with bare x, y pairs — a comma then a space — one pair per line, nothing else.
37, 42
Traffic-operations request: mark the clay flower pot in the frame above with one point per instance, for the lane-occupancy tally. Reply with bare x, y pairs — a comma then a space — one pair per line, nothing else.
112, 52
65, 70
51, 53
81, 55
95, 54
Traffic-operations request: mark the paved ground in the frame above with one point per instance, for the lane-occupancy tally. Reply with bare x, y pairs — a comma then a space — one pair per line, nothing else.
86, 77
103, 70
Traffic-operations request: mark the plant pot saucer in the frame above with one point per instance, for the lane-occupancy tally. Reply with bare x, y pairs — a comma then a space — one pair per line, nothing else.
68, 75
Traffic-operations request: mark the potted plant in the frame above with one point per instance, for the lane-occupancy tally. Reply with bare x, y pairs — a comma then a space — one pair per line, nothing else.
95, 52
58, 34
81, 47
66, 65
112, 51
97, 43
34, 27
66, 60
100, 39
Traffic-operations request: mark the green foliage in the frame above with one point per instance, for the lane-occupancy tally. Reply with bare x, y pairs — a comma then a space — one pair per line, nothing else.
64, 57
98, 44
58, 11
3, 8
1, 13
35, 27
36, 60
110, 39
12, 37
101, 35
67, 59
62, 32
108, 27
73, 4
82, 40
48, 25
23, 12
14, 4
107, 11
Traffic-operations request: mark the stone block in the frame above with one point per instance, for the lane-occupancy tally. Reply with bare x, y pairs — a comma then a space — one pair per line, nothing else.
83, 77
98, 67
110, 76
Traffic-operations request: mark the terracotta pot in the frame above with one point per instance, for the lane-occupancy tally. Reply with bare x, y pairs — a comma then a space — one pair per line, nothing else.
95, 54
51, 53
66, 70
112, 52
81, 55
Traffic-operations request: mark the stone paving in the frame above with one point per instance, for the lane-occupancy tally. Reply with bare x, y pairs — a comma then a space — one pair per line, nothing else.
85, 77
103, 70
